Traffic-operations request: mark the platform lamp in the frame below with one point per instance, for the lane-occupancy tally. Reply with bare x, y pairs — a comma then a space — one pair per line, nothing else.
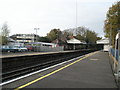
36, 32
36, 37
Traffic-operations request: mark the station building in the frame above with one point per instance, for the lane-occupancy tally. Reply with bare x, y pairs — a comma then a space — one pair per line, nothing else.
25, 38
104, 43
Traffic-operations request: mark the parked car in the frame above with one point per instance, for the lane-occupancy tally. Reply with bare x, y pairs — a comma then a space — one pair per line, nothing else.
8, 49
13, 49
30, 48
23, 49
0, 48
20, 48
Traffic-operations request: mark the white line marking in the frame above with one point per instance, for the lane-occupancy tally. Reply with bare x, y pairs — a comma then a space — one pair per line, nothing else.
94, 59
40, 71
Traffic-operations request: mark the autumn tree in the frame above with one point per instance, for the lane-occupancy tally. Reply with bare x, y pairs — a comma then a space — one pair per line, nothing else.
112, 22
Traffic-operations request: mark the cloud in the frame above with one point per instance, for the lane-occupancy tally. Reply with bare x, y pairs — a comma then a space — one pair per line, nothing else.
24, 15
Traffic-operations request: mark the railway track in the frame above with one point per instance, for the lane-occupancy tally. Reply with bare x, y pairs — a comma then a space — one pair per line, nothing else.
27, 64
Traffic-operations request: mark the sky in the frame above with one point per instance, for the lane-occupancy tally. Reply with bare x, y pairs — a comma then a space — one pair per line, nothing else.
22, 16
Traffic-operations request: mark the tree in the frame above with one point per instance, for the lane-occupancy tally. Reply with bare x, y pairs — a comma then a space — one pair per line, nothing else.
43, 39
80, 37
66, 35
90, 37
54, 34
81, 33
112, 22
4, 33
99, 38
4, 30
84, 34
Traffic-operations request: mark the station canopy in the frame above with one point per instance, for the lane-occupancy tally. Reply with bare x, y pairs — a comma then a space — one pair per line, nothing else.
41, 43
103, 41
75, 41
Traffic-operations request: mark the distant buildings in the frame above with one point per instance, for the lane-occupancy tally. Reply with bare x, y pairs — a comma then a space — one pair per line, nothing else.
12, 42
25, 38
105, 42
75, 41
74, 44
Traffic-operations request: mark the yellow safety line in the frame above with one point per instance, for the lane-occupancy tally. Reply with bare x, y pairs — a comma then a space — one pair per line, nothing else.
25, 85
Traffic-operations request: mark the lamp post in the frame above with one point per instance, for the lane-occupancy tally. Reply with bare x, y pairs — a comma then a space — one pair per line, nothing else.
76, 19
24, 38
36, 37
36, 32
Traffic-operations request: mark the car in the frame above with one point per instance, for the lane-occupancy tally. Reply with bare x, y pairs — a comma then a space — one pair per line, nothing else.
30, 48
6, 48
23, 49
20, 48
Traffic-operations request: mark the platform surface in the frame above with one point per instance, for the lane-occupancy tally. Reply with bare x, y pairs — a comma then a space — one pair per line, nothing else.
92, 71
18, 54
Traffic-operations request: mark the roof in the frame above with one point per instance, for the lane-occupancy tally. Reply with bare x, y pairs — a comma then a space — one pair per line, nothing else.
41, 43
103, 41
75, 41
10, 39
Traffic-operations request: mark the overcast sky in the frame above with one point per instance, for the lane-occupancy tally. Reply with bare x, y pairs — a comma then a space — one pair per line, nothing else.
23, 16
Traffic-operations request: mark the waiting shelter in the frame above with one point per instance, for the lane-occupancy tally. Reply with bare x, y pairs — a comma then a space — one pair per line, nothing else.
75, 44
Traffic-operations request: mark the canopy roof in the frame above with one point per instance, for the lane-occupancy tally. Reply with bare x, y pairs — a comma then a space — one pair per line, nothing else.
74, 41
41, 43
103, 41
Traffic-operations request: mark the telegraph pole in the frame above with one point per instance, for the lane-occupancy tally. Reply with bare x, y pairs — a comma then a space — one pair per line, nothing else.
76, 24
76, 17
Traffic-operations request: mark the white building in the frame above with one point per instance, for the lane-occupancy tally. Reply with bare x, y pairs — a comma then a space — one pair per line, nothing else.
42, 44
12, 42
25, 38
105, 42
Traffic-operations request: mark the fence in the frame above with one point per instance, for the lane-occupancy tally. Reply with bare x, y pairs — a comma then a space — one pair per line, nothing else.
48, 49
112, 51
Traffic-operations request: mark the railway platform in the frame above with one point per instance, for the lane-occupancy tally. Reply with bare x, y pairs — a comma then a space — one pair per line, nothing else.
89, 71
